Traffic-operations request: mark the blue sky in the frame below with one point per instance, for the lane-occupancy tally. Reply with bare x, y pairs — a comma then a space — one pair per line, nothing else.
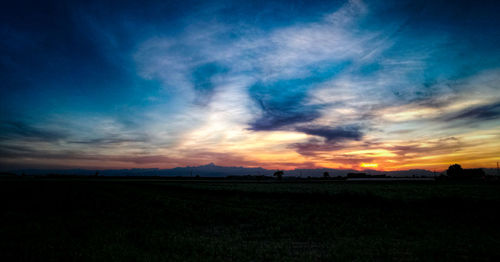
278, 84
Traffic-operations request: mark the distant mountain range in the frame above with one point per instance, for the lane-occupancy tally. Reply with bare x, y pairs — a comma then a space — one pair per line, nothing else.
212, 170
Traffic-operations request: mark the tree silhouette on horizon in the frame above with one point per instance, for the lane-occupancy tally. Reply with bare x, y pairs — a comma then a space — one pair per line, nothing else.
454, 170
279, 174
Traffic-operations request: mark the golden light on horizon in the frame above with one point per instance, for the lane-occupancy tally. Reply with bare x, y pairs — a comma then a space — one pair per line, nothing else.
369, 165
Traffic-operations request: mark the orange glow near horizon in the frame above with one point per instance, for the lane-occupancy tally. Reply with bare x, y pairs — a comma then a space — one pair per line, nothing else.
372, 165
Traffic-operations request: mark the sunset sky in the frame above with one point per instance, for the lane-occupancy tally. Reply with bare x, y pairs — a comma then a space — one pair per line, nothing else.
386, 85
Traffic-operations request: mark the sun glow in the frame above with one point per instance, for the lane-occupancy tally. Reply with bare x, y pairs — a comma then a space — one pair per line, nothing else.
369, 165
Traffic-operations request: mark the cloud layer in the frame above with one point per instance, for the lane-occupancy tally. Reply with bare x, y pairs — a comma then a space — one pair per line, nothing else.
273, 84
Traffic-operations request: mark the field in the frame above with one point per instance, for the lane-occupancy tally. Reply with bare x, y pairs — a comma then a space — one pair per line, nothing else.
160, 220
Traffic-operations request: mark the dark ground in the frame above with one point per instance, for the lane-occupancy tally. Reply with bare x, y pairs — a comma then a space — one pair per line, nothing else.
141, 220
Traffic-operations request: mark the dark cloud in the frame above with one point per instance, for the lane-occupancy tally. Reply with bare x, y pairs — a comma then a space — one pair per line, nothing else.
333, 138
480, 113
30, 152
315, 146
16, 152
111, 141
321, 150
416, 149
19, 130
349, 160
333, 133
276, 119
16, 130
283, 104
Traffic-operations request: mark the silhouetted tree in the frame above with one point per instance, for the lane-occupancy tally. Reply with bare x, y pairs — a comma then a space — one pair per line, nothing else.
278, 174
455, 171
326, 175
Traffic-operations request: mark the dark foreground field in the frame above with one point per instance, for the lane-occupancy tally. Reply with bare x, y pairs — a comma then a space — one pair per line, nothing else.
118, 220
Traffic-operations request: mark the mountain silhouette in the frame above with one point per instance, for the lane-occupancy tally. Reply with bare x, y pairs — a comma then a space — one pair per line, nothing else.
213, 170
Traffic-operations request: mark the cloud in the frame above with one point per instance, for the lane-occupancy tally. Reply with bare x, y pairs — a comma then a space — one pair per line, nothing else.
277, 119
413, 149
335, 139
284, 63
19, 130
333, 133
204, 80
314, 147
478, 113
101, 142
277, 114
339, 82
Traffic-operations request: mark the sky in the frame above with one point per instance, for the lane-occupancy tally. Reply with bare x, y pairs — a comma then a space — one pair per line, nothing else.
387, 85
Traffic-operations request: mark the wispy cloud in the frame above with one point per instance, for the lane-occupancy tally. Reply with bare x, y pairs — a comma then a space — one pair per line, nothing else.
334, 85
26, 132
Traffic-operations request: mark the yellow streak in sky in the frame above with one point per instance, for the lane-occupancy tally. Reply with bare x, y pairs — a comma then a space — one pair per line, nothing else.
373, 153
369, 165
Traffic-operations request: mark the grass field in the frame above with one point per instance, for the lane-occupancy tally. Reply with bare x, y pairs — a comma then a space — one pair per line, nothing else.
143, 220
